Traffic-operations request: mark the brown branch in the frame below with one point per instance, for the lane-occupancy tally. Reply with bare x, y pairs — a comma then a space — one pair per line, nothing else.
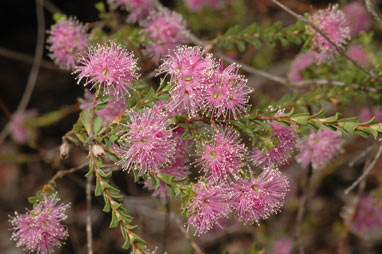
370, 5
89, 235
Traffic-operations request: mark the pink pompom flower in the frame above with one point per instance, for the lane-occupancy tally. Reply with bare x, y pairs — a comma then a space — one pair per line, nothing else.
19, 132
260, 197
300, 63
67, 38
333, 23
227, 94
222, 156
139, 9
277, 148
165, 30
40, 230
190, 71
109, 65
358, 17
319, 148
358, 54
209, 204
283, 246
147, 144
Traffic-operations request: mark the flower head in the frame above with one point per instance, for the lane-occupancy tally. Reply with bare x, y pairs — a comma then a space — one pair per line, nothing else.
165, 30
319, 148
190, 72
228, 93
197, 5
222, 155
139, 9
333, 23
259, 198
368, 113
147, 145
368, 220
358, 54
283, 246
277, 148
19, 132
40, 230
209, 204
358, 17
67, 38
300, 63
110, 66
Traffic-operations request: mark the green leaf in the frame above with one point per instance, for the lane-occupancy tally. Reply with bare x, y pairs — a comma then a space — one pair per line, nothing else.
98, 189
331, 119
97, 124
85, 119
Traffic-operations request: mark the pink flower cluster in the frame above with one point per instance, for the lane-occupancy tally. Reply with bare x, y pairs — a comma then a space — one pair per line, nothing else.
368, 220
250, 200
333, 23
367, 113
318, 149
139, 9
110, 66
19, 132
283, 246
358, 54
300, 63
199, 83
197, 5
67, 39
358, 17
165, 30
148, 144
40, 230
277, 149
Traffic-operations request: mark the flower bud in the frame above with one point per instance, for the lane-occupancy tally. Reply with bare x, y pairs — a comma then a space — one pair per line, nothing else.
97, 150
64, 150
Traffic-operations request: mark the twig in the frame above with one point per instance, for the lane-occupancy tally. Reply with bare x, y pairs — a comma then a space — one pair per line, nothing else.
367, 171
194, 245
370, 5
63, 173
301, 210
88, 214
35, 67
49, 6
339, 49
360, 156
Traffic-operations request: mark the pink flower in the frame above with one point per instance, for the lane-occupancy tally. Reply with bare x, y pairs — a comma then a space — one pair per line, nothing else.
197, 5
147, 144
67, 39
165, 30
179, 163
319, 148
333, 23
368, 220
209, 204
283, 246
228, 93
300, 63
358, 18
190, 72
357, 53
19, 132
110, 66
222, 156
367, 114
40, 230
115, 106
277, 148
139, 9
259, 198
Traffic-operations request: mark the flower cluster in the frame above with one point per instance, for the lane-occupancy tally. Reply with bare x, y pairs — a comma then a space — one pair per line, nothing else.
139, 9
277, 148
358, 54
358, 17
367, 113
283, 246
147, 145
40, 230
333, 23
67, 39
300, 63
222, 156
165, 30
319, 148
19, 132
197, 5
201, 83
110, 66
